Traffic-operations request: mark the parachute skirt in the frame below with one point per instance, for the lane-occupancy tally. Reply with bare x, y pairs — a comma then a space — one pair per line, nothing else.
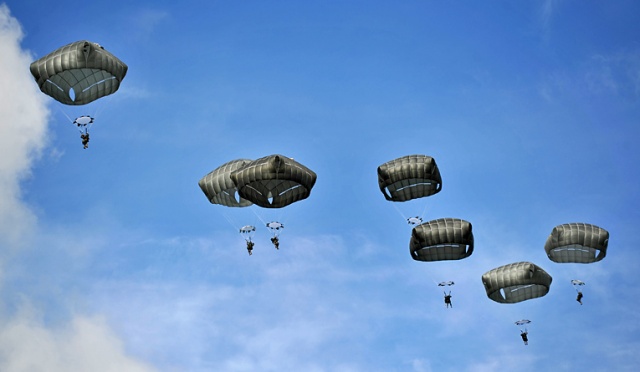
577, 243
274, 181
220, 189
516, 282
409, 177
78, 73
441, 239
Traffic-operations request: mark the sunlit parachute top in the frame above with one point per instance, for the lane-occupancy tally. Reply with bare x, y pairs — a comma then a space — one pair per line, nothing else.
275, 225
577, 242
83, 121
441, 239
79, 73
516, 282
577, 282
247, 229
409, 177
220, 189
274, 181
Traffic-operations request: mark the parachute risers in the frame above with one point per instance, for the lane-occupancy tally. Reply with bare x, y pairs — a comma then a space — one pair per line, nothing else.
441, 239
274, 181
409, 177
577, 243
516, 282
78, 73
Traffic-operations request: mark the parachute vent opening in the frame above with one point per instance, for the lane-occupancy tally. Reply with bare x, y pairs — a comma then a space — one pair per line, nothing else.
502, 293
72, 94
270, 198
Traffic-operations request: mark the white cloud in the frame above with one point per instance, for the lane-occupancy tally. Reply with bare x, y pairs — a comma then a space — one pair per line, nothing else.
23, 125
86, 344
147, 21
601, 75
27, 343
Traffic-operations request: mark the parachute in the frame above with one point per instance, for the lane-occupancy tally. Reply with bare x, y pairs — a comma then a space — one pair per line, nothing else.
441, 239
220, 188
78, 73
522, 322
577, 283
248, 231
270, 182
83, 123
446, 284
409, 177
577, 242
275, 227
516, 282
274, 181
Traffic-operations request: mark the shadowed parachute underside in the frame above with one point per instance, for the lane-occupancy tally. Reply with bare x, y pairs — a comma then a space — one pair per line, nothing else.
577, 242
442, 239
78, 73
274, 181
220, 189
409, 177
516, 282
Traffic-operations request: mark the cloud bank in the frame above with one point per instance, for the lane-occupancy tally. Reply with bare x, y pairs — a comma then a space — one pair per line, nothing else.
85, 343
23, 126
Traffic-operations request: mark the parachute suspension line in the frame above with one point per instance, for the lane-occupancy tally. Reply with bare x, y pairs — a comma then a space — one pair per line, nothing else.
236, 227
65, 114
102, 104
424, 211
257, 215
399, 212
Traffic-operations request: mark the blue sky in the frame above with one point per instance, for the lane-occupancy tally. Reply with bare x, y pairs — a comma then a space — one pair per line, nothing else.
112, 259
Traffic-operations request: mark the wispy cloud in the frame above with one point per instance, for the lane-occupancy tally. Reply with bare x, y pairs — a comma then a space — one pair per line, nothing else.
616, 74
147, 21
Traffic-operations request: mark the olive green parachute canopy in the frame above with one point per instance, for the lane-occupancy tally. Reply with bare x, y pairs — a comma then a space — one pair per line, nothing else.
577, 242
441, 239
409, 177
79, 73
220, 189
516, 282
274, 181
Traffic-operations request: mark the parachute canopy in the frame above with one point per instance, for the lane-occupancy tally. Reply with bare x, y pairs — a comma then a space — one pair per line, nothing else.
274, 181
275, 226
516, 282
446, 284
83, 121
247, 229
79, 73
577, 282
577, 242
409, 177
220, 189
522, 322
441, 239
